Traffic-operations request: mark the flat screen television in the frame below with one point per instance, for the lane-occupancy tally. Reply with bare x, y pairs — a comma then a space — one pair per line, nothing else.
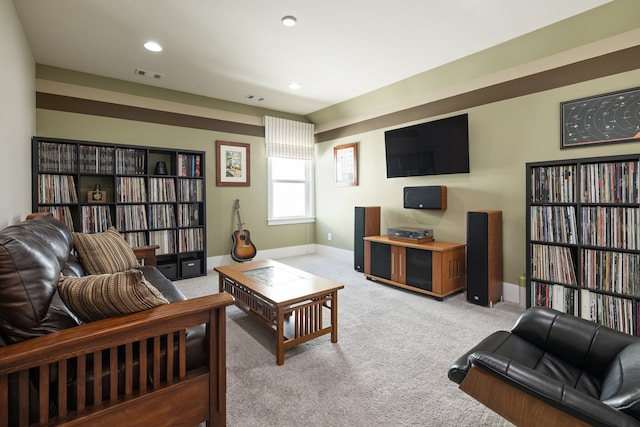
432, 148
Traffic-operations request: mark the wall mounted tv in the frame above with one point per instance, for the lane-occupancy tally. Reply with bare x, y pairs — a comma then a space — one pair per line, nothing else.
433, 148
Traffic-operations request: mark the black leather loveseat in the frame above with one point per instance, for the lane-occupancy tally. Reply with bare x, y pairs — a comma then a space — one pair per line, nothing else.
555, 369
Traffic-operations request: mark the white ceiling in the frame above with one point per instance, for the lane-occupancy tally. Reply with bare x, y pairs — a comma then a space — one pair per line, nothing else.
229, 49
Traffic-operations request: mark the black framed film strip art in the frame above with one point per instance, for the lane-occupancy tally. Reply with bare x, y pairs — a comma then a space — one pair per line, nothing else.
609, 118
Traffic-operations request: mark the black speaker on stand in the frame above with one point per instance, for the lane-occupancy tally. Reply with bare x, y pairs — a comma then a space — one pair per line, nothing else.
367, 223
484, 257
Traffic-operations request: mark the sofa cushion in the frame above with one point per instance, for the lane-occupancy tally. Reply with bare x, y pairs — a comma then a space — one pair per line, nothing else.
31, 255
101, 296
106, 252
620, 388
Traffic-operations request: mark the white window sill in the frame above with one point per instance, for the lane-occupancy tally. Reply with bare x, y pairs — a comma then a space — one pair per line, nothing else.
296, 220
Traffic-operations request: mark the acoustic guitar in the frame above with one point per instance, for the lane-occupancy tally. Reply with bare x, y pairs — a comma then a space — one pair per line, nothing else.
243, 249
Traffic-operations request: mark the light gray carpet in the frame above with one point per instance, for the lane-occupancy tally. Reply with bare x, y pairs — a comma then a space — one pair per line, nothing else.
389, 367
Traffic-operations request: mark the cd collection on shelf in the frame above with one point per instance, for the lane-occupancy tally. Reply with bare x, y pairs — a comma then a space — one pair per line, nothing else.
553, 184
162, 216
131, 217
57, 189
166, 239
190, 239
583, 240
190, 190
95, 218
188, 164
554, 224
95, 159
135, 239
56, 157
162, 190
189, 214
616, 182
131, 190
146, 204
131, 161
61, 213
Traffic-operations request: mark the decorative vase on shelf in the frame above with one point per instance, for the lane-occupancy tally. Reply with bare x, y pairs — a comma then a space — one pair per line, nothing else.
161, 168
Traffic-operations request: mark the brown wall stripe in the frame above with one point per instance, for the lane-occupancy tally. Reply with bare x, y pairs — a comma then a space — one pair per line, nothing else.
601, 66
49, 101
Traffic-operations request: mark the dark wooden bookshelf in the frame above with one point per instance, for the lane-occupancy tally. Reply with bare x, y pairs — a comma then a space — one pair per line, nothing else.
583, 244
150, 195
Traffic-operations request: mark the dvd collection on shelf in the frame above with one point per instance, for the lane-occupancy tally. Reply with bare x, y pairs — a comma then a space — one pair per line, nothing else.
161, 216
148, 209
188, 165
56, 189
162, 190
131, 217
190, 190
583, 241
95, 159
130, 161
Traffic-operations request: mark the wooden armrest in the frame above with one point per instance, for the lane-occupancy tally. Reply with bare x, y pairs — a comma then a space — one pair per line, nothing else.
146, 253
26, 369
38, 214
95, 336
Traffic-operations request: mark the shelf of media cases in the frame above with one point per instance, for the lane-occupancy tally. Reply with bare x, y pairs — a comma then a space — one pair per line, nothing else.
152, 196
583, 245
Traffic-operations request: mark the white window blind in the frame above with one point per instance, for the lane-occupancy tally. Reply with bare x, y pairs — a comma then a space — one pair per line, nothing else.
290, 153
288, 139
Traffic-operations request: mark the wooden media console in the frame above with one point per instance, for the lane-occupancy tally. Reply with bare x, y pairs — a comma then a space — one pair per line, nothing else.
433, 268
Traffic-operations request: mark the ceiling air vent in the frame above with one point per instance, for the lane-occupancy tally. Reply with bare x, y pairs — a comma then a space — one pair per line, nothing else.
149, 74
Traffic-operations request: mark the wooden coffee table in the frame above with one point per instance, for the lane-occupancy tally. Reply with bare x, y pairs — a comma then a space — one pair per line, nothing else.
291, 302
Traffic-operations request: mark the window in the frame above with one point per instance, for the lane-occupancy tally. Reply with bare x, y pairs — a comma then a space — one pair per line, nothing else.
290, 191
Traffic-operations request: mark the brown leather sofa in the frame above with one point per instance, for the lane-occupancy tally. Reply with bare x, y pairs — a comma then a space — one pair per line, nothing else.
161, 366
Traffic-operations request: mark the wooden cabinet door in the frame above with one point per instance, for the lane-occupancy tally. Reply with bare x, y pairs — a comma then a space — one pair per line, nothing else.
398, 264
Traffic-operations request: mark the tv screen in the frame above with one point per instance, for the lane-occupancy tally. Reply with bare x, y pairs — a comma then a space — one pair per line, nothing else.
433, 148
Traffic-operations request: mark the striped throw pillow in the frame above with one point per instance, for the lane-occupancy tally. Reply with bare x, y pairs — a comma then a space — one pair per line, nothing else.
106, 252
108, 295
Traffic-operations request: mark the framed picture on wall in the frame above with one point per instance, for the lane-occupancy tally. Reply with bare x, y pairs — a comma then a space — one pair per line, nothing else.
610, 118
346, 164
233, 165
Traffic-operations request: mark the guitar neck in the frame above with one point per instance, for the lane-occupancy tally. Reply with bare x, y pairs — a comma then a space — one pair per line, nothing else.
239, 220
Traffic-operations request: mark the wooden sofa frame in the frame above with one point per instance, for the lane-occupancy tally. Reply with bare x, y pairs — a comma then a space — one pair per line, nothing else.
513, 404
162, 396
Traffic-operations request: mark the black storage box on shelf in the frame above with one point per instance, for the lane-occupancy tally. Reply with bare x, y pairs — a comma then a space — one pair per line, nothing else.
190, 267
170, 271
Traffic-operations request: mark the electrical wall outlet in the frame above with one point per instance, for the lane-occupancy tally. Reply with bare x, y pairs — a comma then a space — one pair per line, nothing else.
329, 236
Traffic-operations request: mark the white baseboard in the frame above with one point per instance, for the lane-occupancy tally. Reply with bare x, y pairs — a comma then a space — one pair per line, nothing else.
514, 293
216, 261
510, 292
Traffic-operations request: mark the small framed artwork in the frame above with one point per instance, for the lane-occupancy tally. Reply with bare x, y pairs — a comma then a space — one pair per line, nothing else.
346, 164
609, 118
233, 165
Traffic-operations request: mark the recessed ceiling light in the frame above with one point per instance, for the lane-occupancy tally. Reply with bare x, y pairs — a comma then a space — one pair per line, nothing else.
289, 21
153, 46
294, 85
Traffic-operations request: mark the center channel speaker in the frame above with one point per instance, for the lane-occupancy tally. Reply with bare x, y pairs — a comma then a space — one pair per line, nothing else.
367, 223
429, 197
484, 257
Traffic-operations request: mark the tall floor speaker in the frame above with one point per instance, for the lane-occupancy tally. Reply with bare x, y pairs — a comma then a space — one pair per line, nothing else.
367, 223
484, 257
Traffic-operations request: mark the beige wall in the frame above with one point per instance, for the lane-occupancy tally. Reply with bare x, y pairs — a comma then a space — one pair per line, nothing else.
503, 137
17, 116
221, 219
